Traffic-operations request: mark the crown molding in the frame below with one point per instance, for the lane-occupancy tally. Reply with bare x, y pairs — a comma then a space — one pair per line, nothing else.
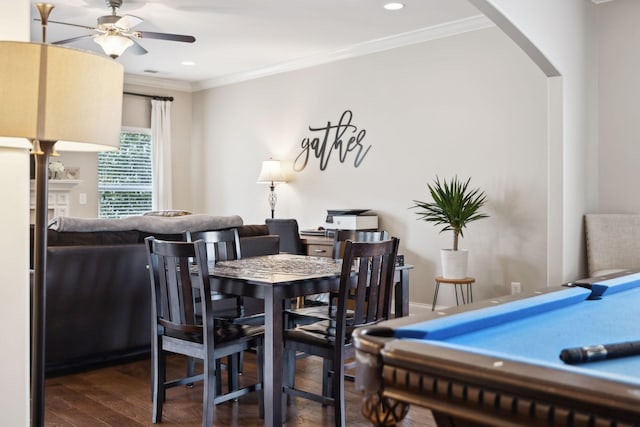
601, 1
448, 29
158, 83
421, 35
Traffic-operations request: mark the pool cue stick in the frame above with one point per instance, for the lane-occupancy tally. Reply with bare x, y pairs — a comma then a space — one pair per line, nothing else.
592, 353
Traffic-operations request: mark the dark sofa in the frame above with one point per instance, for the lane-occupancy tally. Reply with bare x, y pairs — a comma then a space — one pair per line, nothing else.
98, 294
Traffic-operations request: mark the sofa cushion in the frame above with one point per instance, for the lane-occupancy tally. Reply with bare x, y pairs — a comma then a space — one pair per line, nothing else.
55, 238
148, 224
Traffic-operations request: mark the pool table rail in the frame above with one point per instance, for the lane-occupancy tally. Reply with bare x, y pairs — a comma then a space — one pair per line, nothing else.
468, 389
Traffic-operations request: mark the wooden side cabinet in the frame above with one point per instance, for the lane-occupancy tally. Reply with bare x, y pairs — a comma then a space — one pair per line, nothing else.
318, 245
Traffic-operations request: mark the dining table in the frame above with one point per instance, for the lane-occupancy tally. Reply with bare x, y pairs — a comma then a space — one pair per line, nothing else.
277, 280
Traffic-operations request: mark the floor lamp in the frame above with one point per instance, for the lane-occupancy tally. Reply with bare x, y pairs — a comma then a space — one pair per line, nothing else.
62, 97
271, 173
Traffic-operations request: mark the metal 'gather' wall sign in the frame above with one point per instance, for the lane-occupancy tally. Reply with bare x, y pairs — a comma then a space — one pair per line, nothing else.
344, 138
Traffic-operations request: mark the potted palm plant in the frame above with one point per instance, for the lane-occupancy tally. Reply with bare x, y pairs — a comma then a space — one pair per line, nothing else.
454, 206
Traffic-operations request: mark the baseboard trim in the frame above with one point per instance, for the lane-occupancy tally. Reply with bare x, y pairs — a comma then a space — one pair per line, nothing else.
417, 308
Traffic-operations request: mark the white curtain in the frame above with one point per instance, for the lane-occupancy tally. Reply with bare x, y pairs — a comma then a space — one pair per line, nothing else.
161, 153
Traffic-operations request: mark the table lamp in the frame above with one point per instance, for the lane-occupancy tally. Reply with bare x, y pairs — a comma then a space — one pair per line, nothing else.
271, 173
62, 97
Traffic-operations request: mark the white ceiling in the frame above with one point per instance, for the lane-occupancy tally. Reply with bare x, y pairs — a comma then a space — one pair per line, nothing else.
257, 37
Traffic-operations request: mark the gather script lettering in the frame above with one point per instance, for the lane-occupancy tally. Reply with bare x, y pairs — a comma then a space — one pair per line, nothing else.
333, 137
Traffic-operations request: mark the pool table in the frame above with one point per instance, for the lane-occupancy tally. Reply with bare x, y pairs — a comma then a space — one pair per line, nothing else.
497, 363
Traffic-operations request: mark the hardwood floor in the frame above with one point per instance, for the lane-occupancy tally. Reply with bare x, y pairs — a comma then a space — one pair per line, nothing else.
120, 396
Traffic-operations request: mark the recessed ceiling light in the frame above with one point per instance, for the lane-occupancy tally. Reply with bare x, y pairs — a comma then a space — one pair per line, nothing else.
188, 63
393, 6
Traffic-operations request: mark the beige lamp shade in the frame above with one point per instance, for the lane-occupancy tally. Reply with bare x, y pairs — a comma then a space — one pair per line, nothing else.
53, 93
271, 172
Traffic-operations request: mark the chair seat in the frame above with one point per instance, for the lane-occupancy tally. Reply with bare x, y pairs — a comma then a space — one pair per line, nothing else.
225, 330
251, 320
318, 333
308, 315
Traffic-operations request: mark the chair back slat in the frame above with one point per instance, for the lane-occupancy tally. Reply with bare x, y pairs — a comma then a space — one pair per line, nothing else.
376, 291
186, 291
222, 245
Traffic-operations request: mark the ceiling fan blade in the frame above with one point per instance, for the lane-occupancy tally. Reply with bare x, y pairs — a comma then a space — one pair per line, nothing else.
137, 48
164, 36
128, 21
66, 23
71, 40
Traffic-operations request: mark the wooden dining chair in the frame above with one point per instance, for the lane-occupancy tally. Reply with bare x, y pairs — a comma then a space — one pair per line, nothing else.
369, 285
176, 269
222, 245
314, 305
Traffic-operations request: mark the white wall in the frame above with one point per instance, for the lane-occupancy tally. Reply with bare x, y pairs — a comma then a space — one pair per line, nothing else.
14, 254
619, 67
472, 105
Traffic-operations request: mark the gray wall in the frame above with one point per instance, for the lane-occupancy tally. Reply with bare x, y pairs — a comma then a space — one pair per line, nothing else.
619, 68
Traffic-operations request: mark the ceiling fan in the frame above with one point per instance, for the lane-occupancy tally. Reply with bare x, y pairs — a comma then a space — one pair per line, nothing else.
115, 33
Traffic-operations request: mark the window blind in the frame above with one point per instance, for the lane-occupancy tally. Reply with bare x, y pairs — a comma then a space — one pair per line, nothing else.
124, 176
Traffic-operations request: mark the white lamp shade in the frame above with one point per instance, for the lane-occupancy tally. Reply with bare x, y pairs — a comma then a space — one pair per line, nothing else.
271, 172
53, 93
113, 45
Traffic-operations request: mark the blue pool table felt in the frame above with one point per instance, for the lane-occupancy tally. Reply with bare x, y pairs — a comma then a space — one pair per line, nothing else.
534, 330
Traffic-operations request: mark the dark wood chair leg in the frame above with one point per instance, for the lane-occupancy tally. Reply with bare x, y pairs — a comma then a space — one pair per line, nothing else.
209, 390
191, 368
233, 371
327, 367
159, 372
218, 366
260, 369
289, 373
337, 385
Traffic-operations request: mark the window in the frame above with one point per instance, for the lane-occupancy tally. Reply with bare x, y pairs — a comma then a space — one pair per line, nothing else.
124, 176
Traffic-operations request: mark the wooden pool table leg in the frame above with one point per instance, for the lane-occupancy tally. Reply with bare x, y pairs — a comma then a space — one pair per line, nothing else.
382, 411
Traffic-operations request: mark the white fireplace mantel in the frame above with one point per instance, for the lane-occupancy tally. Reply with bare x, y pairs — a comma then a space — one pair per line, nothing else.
58, 198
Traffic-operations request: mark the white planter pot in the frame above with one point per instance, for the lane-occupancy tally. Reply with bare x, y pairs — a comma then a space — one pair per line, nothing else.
454, 263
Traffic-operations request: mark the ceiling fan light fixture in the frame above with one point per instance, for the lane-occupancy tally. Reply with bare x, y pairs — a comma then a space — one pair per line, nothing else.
113, 45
